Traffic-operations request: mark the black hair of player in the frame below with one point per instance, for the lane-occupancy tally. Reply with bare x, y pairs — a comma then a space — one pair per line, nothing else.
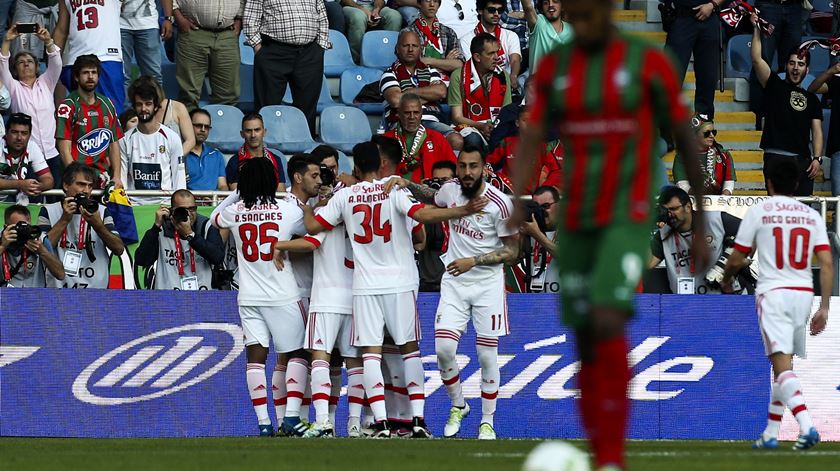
324, 151
252, 117
447, 164
366, 157
670, 192
470, 148
15, 209
257, 182
389, 148
75, 168
201, 111
478, 42
299, 163
547, 189
20, 119
783, 174
144, 92
86, 61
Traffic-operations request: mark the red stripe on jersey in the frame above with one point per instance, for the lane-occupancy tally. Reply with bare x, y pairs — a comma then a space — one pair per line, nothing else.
313, 241
324, 222
577, 81
349, 264
821, 248
498, 202
794, 288
415, 208
417, 228
43, 172
605, 203
742, 248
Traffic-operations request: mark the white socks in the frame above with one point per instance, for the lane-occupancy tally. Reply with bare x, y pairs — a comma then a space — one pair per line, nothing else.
446, 345
487, 349
790, 392
255, 377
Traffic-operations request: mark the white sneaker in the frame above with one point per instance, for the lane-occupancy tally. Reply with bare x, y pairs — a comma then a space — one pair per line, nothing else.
486, 432
367, 429
354, 429
317, 430
453, 424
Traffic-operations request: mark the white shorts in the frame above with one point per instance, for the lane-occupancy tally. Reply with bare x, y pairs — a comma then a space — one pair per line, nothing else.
374, 312
485, 303
284, 325
326, 331
783, 318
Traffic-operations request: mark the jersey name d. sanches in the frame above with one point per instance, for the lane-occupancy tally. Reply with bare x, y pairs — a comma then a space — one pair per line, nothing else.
786, 234
478, 233
608, 107
379, 233
90, 129
255, 230
94, 29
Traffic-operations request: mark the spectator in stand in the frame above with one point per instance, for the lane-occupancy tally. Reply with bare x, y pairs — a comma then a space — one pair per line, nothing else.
716, 163
92, 28
509, 52
390, 155
549, 167
828, 83
410, 75
128, 120
458, 15
787, 19
171, 113
253, 131
696, 32
478, 91
439, 46
335, 16
514, 19
141, 34
83, 238
429, 265
25, 262
208, 47
289, 38
546, 28
87, 128
421, 147
5, 102
205, 164
32, 94
42, 12
364, 15
409, 9
185, 249
22, 166
6, 7
794, 117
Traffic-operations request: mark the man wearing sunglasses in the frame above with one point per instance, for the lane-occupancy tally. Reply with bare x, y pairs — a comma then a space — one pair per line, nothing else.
510, 53
716, 162
205, 164
183, 243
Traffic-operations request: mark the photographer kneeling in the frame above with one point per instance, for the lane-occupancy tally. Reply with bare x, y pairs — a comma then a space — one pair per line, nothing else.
25, 252
184, 242
672, 243
539, 245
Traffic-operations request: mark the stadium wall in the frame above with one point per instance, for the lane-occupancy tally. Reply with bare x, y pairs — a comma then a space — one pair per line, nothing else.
156, 364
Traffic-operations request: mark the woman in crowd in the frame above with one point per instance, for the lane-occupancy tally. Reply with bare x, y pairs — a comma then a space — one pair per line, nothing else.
715, 161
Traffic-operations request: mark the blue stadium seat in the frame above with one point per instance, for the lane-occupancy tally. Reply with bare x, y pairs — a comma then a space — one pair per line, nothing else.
344, 165
324, 99
227, 122
246, 52
352, 80
338, 59
823, 5
286, 129
284, 164
820, 59
378, 49
738, 62
343, 127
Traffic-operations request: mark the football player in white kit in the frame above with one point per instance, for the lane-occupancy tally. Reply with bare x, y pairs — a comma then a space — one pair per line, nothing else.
269, 299
385, 276
787, 234
473, 286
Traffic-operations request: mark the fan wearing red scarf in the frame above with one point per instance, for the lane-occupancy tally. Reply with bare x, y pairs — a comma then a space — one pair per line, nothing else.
478, 91
510, 52
439, 43
253, 131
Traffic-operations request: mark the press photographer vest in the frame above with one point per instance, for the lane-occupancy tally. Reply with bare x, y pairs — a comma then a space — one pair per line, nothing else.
167, 275
30, 274
91, 274
677, 250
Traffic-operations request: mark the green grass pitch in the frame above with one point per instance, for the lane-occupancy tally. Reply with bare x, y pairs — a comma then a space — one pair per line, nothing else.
404, 455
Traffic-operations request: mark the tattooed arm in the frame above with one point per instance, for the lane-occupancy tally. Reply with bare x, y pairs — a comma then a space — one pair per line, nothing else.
507, 254
422, 193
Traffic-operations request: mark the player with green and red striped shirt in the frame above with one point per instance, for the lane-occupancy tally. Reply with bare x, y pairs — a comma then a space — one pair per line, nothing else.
608, 95
87, 125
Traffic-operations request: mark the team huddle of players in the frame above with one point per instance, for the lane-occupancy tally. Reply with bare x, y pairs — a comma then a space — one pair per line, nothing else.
328, 277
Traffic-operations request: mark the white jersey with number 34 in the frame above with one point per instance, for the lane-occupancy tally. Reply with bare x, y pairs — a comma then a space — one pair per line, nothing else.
787, 234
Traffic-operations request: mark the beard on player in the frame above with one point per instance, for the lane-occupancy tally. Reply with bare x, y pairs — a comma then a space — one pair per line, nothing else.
470, 186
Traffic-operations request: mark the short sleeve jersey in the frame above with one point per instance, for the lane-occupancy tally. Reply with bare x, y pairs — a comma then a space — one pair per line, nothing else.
379, 233
477, 233
150, 161
786, 234
255, 230
89, 128
332, 286
94, 29
31, 164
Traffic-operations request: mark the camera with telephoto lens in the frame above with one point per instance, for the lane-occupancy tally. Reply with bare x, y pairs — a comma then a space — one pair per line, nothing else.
25, 232
664, 216
327, 176
180, 214
434, 183
535, 212
84, 201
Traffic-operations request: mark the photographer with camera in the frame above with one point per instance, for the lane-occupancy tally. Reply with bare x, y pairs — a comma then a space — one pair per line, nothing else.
538, 247
185, 245
25, 252
429, 265
80, 229
672, 243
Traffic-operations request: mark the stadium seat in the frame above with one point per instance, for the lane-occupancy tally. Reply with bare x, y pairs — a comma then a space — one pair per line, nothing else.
820, 59
338, 59
352, 81
378, 49
344, 164
324, 100
227, 122
284, 164
823, 5
286, 129
343, 127
738, 62
246, 52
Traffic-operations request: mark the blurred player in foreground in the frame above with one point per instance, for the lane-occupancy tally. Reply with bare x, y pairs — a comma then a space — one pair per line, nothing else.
608, 94
784, 292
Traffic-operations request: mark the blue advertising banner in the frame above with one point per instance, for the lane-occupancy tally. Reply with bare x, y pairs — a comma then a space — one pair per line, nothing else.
161, 364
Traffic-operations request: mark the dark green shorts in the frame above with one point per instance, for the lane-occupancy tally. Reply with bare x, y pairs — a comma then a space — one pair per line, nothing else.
600, 268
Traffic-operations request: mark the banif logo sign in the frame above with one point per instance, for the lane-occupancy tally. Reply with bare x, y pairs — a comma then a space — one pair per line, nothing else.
159, 364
